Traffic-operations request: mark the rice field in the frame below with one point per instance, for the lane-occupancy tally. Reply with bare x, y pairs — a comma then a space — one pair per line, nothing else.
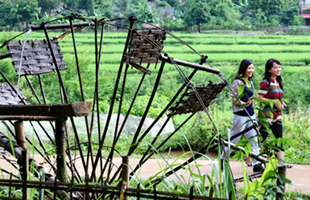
222, 50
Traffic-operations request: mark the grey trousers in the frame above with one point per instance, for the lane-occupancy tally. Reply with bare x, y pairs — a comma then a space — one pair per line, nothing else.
239, 123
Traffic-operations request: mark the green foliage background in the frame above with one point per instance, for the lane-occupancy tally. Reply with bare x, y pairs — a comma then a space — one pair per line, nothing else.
187, 15
224, 51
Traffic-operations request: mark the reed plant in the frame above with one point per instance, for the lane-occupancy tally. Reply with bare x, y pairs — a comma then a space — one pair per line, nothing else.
14, 192
218, 183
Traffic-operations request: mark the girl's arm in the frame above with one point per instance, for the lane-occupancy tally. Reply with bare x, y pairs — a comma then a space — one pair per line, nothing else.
239, 103
283, 104
235, 87
262, 97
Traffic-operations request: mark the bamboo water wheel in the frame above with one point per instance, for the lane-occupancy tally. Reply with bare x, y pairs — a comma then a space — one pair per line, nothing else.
31, 59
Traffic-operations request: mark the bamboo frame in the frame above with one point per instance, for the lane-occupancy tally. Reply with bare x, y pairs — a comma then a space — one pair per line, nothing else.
95, 160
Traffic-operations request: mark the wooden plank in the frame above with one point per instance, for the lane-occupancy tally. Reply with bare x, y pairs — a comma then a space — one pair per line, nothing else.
189, 102
8, 95
47, 110
152, 51
149, 60
134, 51
28, 118
135, 59
36, 52
143, 55
6, 55
146, 46
143, 36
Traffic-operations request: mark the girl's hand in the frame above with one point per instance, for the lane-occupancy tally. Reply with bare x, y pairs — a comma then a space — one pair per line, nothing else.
283, 104
249, 103
279, 107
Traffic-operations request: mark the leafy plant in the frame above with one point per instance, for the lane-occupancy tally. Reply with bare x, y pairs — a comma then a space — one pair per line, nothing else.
203, 184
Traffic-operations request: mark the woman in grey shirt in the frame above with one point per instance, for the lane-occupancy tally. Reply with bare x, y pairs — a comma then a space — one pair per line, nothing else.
244, 108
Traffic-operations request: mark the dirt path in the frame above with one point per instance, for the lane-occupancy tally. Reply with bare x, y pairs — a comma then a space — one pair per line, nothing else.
299, 174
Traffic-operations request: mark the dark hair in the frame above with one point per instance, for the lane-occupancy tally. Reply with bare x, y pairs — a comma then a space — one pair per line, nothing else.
267, 74
243, 67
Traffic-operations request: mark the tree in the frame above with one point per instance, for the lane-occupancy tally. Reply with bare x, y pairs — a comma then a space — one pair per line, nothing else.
14, 12
173, 3
230, 17
288, 13
163, 4
88, 5
121, 8
224, 13
103, 9
243, 8
71, 3
181, 9
282, 11
145, 13
5, 13
103, 5
48, 5
197, 14
269, 7
218, 7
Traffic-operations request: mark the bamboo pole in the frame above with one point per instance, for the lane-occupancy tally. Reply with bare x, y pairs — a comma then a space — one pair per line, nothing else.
21, 141
24, 170
20, 135
282, 172
61, 149
125, 178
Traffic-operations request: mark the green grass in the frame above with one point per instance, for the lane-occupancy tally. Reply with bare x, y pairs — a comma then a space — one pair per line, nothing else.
67, 47
222, 49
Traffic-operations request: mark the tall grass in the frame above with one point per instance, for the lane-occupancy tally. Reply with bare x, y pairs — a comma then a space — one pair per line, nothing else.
217, 184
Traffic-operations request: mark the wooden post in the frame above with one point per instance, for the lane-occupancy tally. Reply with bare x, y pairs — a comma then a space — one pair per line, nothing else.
21, 141
281, 170
20, 134
24, 173
125, 177
61, 149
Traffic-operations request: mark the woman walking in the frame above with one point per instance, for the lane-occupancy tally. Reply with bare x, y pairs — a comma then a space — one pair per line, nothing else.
271, 88
243, 108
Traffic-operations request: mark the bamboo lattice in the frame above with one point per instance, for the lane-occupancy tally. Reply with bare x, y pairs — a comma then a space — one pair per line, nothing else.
37, 57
